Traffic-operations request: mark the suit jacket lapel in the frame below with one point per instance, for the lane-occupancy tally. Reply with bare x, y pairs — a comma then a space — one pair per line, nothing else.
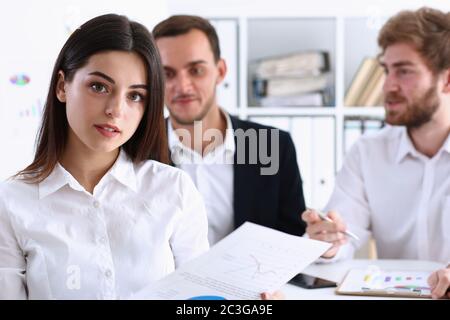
243, 183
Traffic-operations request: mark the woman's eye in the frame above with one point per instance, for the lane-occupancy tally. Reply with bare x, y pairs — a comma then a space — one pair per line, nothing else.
136, 97
98, 87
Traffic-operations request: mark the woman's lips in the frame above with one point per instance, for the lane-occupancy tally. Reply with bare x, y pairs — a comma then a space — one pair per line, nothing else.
107, 131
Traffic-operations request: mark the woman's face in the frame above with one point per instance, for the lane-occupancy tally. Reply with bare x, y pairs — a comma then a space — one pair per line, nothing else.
105, 100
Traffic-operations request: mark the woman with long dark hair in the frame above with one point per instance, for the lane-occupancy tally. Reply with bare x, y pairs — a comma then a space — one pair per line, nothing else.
91, 217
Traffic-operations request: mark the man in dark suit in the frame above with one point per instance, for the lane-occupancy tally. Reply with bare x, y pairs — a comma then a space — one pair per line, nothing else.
244, 170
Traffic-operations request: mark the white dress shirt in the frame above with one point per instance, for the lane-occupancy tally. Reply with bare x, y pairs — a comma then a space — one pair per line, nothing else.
57, 241
400, 195
213, 177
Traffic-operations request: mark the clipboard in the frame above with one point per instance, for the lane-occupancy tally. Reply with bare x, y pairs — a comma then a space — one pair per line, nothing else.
373, 281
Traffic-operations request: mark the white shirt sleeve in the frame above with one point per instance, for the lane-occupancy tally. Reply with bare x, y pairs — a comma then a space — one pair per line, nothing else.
12, 261
349, 199
190, 236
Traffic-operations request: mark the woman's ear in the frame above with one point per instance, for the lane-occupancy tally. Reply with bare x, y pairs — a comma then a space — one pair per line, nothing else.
61, 87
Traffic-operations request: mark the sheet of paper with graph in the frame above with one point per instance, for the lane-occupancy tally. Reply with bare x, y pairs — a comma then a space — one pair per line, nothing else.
251, 260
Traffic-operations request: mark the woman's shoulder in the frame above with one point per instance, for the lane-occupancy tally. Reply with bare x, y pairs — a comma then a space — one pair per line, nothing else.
163, 184
153, 167
16, 189
157, 172
14, 185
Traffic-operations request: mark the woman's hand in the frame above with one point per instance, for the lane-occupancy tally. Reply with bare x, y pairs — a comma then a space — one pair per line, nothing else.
277, 295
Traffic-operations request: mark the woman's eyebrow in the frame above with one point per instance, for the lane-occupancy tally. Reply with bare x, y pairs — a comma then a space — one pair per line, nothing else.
108, 78
138, 86
104, 76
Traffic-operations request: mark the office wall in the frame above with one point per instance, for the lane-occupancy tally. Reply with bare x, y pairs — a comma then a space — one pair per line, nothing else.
31, 35
298, 7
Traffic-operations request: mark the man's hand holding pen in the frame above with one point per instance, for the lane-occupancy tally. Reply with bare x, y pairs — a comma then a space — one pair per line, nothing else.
330, 228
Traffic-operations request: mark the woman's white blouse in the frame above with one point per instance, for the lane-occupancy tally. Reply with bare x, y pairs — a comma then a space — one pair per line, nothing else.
58, 241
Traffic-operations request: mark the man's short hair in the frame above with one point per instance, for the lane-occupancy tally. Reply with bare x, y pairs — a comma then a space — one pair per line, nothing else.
181, 24
426, 29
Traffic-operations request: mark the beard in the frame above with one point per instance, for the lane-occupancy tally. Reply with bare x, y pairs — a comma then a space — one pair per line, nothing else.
187, 121
419, 110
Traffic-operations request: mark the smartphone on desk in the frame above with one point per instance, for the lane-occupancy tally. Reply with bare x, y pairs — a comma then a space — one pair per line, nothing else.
310, 282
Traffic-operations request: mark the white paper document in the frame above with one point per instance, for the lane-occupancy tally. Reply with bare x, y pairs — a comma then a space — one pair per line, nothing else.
251, 260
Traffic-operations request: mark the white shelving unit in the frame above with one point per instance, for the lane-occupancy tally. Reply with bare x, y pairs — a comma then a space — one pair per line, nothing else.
320, 146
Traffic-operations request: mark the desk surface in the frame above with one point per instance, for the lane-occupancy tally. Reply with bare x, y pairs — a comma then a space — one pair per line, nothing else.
336, 272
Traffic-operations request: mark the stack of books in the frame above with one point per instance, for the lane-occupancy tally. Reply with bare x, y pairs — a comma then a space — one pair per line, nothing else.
297, 79
365, 89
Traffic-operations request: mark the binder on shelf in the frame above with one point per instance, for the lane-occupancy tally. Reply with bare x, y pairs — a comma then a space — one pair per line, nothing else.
323, 155
299, 64
282, 123
227, 91
355, 127
296, 79
301, 133
315, 146
294, 86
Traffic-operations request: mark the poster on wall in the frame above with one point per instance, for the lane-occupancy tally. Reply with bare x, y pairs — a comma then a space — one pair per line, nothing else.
33, 33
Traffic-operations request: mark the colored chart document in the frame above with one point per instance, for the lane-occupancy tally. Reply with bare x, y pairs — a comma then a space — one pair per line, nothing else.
377, 282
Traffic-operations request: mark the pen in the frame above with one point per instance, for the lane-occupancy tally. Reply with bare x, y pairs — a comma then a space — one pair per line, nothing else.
323, 216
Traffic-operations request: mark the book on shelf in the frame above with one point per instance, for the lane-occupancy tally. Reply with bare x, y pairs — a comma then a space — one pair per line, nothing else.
375, 97
290, 85
313, 99
372, 88
380, 100
367, 70
299, 64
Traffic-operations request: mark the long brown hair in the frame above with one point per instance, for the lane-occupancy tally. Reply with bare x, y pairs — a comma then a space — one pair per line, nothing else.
103, 33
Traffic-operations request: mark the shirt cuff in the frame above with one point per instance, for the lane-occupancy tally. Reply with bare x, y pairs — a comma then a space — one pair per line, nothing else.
345, 252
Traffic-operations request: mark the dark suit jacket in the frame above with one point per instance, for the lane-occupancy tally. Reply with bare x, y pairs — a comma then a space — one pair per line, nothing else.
274, 201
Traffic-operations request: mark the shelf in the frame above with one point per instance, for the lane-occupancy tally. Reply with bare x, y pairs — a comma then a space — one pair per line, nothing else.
319, 133
364, 111
291, 111
264, 41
